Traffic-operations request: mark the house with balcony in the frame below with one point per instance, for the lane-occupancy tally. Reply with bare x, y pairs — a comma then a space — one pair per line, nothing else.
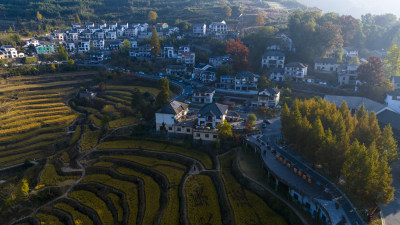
176, 70
168, 52
242, 81
70, 46
9, 51
83, 46
188, 58
142, 51
277, 74
199, 29
347, 74
326, 65
170, 115
210, 115
203, 95
218, 27
296, 71
273, 60
269, 97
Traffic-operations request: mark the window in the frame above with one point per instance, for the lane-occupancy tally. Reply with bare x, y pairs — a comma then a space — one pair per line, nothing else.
188, 130
197, 135
179, 129
169, 128
207, 135
214, 136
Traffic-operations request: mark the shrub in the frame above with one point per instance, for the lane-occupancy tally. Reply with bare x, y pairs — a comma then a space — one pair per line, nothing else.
49, 176
90, 139
78, 217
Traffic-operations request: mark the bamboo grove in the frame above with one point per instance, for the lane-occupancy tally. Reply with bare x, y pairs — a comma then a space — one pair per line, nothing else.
351, 147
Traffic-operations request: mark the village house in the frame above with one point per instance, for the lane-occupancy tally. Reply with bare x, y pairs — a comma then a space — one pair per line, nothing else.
45, 48
176, 70
168, 52
218, 27
203, 95
100, 44
142, 51
393, 100
326, 65
242, 81
349, 52
273, 60
70, 46
188, 58
170, 115
83, 46
347, 74
58, 36
97, 56
199, 29
9, 51
161, 26
32, 41
277, 74
216, 61
296, 71
269, 97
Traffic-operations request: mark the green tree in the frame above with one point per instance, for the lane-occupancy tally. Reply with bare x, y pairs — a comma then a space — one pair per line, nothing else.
163, 84
224, 130
25, 187
223, 69
228, 11
263, 83
152, 17
62, 53
138, 102
162, 99
10, 30
91, 47
392, 62
126, 45
155, 48
387, 145
355, 61
250, 121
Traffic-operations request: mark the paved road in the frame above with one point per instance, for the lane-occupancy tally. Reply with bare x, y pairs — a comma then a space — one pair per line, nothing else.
391, 212
271, 135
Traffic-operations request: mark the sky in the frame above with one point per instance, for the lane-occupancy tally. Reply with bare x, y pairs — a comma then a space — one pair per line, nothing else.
356, 8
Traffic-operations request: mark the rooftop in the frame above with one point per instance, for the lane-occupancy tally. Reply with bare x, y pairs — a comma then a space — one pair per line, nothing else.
214, 109
296, 64
280, 54
326, 60
353, 102
173, 107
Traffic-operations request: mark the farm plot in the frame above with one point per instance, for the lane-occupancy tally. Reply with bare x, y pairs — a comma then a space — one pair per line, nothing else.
202, 201
248, 208
49, 176
204, 158
31, 122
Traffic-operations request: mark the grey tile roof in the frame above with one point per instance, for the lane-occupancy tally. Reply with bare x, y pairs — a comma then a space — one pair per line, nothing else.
396, 79
353, 102
246, 74
204, 89
214, 109
389, 117
296, 64
173, 107
274, 54
271, 91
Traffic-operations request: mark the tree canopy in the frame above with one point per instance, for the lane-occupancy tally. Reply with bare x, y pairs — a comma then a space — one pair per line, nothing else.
239, 53
350, 146
155, 48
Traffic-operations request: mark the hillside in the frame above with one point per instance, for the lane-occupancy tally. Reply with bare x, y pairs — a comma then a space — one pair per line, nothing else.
62, 12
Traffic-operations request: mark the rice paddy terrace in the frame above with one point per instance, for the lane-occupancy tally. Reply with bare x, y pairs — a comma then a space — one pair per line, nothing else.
91, 175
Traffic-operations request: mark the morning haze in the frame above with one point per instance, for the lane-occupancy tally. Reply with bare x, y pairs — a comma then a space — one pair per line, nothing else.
356, 8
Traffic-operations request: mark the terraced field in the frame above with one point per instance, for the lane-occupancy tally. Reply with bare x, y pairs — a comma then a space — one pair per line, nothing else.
31, 122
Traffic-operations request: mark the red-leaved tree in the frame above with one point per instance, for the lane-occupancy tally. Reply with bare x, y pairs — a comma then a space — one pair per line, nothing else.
239, 53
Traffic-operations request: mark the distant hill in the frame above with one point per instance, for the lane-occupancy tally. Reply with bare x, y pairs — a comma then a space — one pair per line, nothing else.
58, 12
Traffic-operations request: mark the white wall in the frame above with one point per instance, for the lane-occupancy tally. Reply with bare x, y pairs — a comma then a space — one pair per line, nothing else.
168, 119
393, 104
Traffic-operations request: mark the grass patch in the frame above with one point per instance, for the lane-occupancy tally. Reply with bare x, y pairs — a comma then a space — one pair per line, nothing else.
248, 208
92, 201
129, 188
90, 139
147, 161
202, 201
79, 218
117, 204
104, 164
152, 192
65, 157
126, 121
49, 176
204, 158
48, 219
76, 135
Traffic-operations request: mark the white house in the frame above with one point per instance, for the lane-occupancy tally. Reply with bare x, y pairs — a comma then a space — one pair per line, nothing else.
393, 100
111, 35
34, 42
347, 74
169, 115
83, 46
210, 115
269, 97
203, 95
277, 74
99, 43
242, 81
188, 58
326, 64
9, 51
199, 29
296, 70
273, 60
168, 52
70, 46
218, 27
